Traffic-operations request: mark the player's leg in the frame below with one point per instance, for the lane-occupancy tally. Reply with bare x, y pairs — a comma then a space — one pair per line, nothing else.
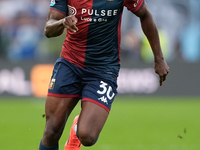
98, 96
98, 92
91, 122
63, 94
87, 127
57, 111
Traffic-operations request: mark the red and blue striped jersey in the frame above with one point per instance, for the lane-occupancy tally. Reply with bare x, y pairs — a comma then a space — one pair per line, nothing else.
96, 45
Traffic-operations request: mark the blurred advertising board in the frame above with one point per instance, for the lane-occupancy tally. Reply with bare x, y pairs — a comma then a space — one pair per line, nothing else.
32, 79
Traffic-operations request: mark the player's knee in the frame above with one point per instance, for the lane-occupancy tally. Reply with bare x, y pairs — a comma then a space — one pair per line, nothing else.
87, 138
51, 135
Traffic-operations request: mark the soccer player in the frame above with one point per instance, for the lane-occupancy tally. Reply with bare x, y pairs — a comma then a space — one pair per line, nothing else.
88, 65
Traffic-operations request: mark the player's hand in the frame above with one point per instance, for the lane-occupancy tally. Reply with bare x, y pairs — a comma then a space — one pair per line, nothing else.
162, 69
69, 22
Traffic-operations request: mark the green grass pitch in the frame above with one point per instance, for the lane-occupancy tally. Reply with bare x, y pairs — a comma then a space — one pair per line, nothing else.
134, 123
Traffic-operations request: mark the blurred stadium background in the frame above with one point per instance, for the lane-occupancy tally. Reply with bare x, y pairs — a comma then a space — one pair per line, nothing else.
144, 115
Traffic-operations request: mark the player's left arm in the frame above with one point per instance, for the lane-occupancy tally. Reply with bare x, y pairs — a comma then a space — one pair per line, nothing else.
150, 30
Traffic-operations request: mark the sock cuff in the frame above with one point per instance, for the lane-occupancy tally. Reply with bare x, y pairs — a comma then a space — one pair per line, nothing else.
42, 147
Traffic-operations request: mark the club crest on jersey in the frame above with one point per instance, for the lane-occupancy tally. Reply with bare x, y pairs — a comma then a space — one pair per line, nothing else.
53, 2
52, 83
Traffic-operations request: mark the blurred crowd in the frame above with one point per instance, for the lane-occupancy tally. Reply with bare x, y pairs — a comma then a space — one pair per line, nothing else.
21, 28
22, 38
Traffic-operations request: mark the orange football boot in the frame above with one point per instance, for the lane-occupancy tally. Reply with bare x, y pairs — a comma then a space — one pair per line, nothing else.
73, 143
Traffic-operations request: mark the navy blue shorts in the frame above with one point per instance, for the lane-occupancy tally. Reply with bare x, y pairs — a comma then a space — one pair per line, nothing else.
69, 80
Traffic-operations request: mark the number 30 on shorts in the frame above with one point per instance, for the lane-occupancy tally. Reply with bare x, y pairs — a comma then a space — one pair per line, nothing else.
106, 89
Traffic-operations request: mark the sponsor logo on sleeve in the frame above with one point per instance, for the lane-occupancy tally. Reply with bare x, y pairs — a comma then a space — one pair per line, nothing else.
135, 4
53, 2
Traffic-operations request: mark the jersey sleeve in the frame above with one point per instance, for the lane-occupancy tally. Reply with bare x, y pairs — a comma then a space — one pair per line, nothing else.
59, 5
134, 5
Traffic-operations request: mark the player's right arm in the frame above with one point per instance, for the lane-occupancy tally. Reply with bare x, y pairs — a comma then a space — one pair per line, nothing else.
57, 22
